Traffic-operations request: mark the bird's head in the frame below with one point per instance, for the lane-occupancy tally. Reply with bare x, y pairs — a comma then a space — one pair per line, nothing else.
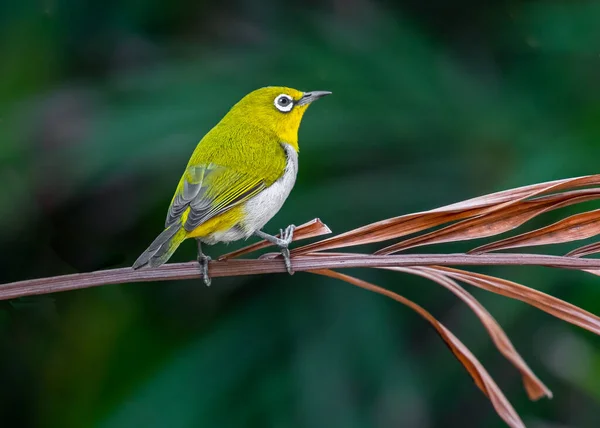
276, 108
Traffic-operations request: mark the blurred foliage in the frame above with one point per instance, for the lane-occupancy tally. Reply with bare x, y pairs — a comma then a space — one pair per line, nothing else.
101, 104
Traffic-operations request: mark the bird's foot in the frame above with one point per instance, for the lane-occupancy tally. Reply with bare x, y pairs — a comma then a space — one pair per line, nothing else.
283, 242
286, 237
204, 260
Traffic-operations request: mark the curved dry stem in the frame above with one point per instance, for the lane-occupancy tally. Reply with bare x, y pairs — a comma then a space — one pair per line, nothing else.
533, 385
552, 305
480, 376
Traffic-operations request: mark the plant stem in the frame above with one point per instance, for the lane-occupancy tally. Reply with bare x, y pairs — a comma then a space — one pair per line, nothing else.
191, 270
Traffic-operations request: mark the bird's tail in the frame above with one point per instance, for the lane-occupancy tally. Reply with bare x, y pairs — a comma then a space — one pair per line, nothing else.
163, 247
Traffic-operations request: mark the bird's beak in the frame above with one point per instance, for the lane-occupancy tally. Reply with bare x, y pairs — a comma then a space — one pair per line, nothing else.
309, 97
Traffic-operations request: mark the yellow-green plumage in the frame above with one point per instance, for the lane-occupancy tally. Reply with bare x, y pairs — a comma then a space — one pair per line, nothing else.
239, 174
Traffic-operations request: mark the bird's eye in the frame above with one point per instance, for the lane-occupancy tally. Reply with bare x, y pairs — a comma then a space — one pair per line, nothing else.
284, 103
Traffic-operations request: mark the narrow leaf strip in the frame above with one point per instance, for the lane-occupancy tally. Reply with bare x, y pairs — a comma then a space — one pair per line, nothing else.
534, 387
586, 250
479, 374
524, 192
556, 307
387, 229
307, 230
495, 222
574, 228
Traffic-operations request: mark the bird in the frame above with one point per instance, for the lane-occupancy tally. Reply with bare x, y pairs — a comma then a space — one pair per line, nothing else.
238, 177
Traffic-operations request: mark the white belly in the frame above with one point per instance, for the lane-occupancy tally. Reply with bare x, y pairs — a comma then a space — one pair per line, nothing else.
262, 207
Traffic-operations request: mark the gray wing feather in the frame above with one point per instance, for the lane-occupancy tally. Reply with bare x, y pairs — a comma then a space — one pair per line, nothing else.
201, 206
191, 191
202, 209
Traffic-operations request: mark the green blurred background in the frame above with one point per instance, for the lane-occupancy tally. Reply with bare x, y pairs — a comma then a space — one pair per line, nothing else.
101, 103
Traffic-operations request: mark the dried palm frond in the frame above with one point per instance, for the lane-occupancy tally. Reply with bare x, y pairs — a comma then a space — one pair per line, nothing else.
476, 218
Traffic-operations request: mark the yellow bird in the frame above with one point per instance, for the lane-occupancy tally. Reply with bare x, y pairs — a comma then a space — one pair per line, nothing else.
238, 177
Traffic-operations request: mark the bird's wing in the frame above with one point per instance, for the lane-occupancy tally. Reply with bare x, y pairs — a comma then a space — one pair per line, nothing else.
209, 190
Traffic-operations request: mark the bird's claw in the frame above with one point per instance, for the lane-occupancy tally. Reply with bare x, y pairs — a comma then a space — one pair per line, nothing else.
286, 237
283, 242
204, 260
287, 234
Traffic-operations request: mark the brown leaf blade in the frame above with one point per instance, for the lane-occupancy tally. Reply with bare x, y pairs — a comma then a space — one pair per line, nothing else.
397, 227
533, 385
479, 374
496, 222
307, 230
586, 250
524, 192
573, 228
385, 230
552, 305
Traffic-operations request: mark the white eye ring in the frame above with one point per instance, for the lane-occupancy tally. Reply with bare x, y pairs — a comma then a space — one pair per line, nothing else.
284, 103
